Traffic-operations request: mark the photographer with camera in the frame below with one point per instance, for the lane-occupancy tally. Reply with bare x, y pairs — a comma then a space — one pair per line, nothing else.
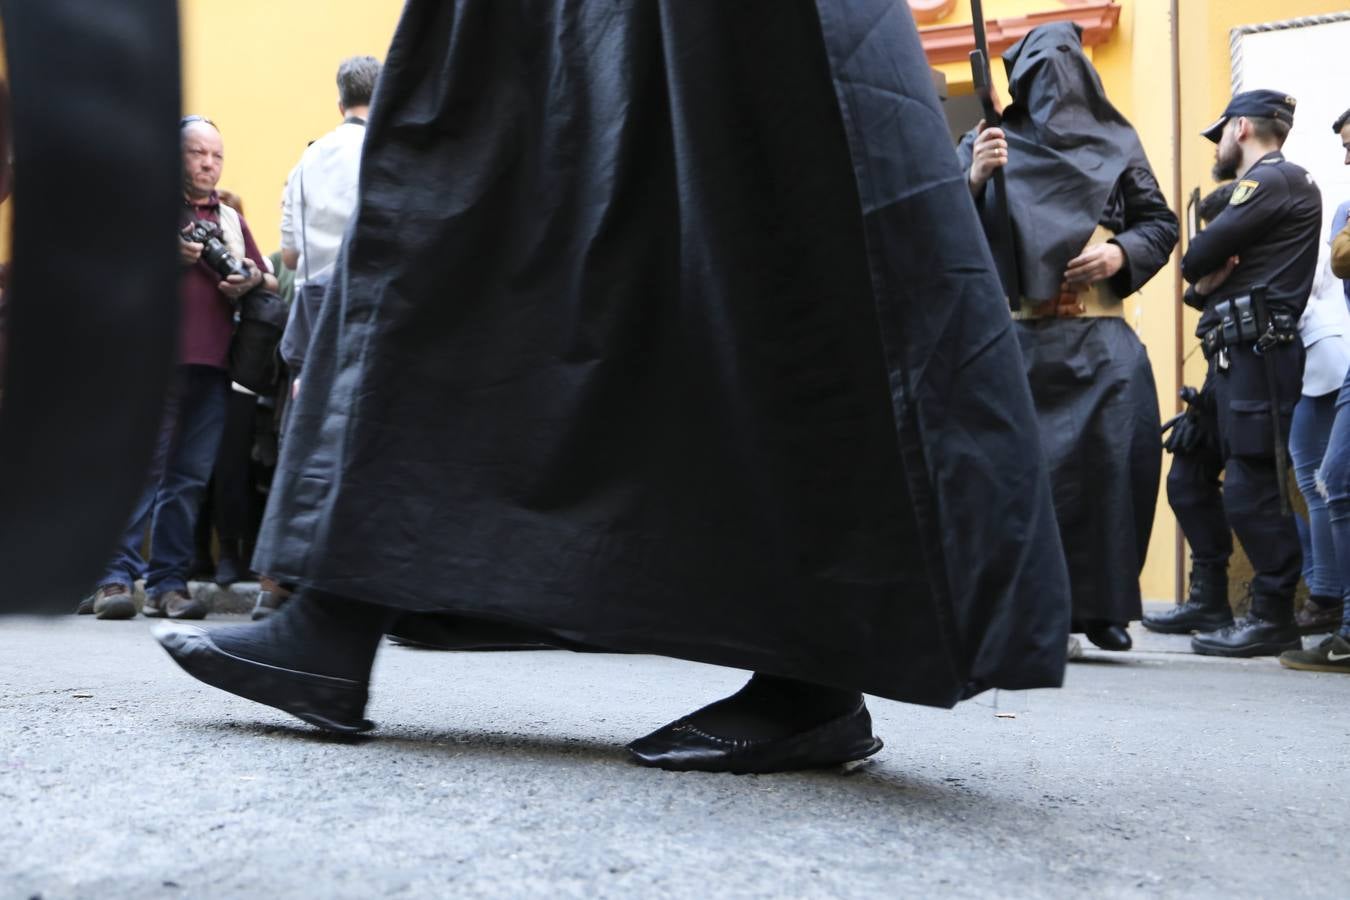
214, 240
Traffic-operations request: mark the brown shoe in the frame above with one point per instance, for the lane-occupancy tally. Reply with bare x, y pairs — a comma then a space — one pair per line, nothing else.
153, 607
114, 601
180, 605
1314, 618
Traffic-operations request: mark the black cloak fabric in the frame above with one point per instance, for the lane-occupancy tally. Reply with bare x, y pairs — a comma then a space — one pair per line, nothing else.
1097, 405
1074, 163
666, 326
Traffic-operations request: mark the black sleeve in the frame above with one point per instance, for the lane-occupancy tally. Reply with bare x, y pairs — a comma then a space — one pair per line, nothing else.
965, 154
1261, 197
1151, 231
1193, 300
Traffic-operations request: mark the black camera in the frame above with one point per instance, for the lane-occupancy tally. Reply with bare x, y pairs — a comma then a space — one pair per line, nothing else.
214, 251
259, 315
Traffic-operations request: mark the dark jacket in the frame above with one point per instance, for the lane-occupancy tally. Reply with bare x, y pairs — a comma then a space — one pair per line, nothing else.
1273, 225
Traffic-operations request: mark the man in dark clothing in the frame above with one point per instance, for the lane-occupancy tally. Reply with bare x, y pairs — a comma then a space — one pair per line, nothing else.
1264, 244
1195, 494
1090, 227
683, 340
195, 415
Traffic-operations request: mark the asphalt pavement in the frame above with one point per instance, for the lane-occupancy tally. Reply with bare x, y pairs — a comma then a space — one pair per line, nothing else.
1153, 773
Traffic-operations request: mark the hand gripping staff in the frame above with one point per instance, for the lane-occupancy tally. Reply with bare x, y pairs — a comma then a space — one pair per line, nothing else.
1001, 242
93, 297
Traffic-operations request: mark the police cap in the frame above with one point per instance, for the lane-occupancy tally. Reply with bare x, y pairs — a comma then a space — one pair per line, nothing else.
1257, 104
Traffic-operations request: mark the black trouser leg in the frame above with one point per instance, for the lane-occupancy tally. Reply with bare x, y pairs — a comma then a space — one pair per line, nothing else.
1252, 500
233, 498
1196, 496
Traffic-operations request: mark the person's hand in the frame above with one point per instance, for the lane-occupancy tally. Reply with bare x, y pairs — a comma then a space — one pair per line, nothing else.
237, 286
990, 154
295, 388
1211, 282
1097, 263
189, 252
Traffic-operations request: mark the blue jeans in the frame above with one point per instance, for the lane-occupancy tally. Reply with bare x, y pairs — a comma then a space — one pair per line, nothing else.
185, 453
1308, 437
1336, 477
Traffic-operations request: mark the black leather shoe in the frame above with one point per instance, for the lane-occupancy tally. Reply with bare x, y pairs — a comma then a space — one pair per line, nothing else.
1249, 636
1189, 617
681, 747
1108, 636
333, 704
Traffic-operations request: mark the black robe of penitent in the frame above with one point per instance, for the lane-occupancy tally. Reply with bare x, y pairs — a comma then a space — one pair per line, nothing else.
667, 327
1074, 164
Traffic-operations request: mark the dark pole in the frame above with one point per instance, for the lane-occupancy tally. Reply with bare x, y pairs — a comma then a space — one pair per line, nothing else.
1001, 242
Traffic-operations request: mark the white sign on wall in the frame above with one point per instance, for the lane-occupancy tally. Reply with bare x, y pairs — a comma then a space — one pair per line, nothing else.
1304, 58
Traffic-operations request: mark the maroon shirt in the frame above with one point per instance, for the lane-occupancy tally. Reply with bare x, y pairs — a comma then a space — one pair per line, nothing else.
208, 317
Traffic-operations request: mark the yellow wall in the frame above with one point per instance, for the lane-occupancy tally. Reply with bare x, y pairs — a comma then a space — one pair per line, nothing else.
264, 71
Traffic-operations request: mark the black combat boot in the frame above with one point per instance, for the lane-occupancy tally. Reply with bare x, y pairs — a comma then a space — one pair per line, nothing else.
1206, 608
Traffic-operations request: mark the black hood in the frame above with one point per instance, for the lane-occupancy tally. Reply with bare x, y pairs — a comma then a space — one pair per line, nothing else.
1068, 148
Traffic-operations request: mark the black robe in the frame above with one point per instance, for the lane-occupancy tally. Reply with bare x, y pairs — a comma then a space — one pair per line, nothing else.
1074, 163
667, 327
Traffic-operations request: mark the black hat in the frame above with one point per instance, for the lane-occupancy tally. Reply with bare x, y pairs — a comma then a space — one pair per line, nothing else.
1261, 104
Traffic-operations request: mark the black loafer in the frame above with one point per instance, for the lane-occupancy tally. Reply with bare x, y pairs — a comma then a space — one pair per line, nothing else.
333, 704
681, 747
1108, 636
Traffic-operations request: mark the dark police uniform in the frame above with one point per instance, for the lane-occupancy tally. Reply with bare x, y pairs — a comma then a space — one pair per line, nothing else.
1196, 499
1273, 225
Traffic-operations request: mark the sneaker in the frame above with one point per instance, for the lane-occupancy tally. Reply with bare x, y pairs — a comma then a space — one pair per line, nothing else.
1316, 618
178, 604
1332, 655
114, 601
1249, 636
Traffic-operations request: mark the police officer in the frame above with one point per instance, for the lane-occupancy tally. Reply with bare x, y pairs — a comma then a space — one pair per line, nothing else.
1195, 493
1251, 272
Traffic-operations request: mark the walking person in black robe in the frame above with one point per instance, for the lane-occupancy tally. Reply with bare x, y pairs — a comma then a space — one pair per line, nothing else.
665, 327
1090, 227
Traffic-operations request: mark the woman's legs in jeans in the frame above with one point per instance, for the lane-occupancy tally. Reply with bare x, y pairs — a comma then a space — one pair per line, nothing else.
1335, 475
1308, 438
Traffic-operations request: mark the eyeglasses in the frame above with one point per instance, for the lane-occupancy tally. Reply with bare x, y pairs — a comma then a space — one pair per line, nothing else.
188, 120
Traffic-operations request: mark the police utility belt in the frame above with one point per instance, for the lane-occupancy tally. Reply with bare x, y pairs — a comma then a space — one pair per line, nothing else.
1239, 326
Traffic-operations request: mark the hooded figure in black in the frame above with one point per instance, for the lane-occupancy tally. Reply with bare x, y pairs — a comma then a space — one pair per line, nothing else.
1090, 227
665, 327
